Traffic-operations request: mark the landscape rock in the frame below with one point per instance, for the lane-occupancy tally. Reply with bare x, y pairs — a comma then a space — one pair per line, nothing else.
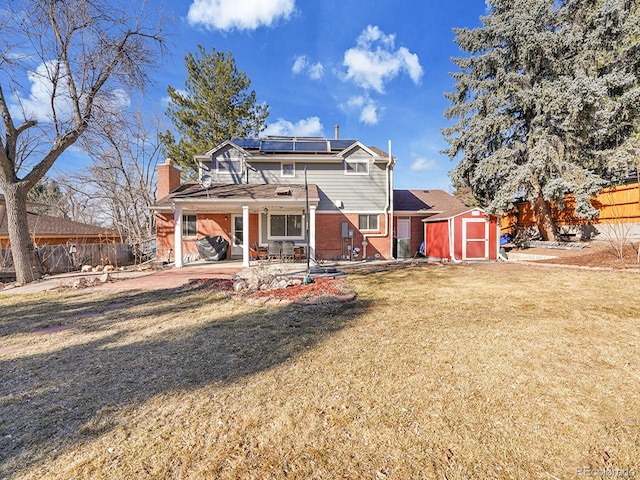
105, 277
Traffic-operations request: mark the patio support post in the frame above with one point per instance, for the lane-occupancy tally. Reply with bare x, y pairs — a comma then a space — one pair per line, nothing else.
245, 236
312, 232
177, 235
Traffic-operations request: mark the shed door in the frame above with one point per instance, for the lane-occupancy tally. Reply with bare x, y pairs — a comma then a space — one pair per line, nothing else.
404, 237
475, 239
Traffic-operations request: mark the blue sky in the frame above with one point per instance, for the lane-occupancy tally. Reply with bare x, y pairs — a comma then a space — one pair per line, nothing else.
378, 69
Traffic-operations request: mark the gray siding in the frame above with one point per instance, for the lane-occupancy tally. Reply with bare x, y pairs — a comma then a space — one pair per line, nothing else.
358, 192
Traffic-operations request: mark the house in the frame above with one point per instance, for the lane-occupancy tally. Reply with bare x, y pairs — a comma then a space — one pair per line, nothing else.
333, 198
410, 208
48, 230
465, 233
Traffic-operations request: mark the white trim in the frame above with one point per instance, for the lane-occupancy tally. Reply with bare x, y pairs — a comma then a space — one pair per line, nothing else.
177, 235
229, 160
377, 215
356, 161
233, 235
312, 232
358, 144
485, 240
282, 164
184, 224
245, 236
289, 237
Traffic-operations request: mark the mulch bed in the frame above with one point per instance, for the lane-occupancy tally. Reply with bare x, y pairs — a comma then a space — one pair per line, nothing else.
322, 290
321, 287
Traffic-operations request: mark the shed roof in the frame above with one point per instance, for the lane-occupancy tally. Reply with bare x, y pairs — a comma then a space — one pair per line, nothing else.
451, 213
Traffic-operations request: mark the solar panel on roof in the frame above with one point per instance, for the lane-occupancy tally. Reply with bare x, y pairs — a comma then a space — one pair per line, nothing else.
341, 144
311, 146
276, 146
247, 142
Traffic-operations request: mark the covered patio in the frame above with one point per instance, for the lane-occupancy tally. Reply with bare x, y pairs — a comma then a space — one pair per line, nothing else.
250, 217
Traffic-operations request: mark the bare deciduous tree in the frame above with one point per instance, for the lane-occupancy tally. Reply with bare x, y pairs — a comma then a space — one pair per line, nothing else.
63, 66
119, 185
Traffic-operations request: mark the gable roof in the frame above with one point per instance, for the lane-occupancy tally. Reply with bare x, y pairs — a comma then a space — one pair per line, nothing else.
48, 226
425, 201
316, 147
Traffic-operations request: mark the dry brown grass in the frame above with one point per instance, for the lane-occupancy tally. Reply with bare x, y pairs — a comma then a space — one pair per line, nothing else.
487, 371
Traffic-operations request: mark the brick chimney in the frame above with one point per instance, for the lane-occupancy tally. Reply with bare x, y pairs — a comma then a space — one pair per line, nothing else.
168, 178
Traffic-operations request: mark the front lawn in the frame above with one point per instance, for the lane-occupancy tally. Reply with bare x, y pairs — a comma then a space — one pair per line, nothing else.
458, 372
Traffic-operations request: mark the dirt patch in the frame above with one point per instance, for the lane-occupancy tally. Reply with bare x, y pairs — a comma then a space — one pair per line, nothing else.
597, 254
210, 284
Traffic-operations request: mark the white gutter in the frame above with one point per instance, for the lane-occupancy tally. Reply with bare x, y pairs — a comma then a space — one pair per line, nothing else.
388, 209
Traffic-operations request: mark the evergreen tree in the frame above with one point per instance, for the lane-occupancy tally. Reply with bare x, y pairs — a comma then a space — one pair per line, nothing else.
215, 106
545, 100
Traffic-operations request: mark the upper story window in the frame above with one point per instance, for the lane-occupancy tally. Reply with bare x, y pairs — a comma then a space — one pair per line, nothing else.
287, 169
356, 166
189, 225
228, 164
368, 222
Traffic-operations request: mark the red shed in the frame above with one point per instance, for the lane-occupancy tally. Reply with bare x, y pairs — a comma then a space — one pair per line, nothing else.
463, 234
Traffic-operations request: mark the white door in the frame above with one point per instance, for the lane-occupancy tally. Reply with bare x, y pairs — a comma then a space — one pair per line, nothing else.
475, 239
403, 231
237, 235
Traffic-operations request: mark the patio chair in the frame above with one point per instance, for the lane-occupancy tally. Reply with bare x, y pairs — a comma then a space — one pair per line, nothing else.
274, 250
288, 250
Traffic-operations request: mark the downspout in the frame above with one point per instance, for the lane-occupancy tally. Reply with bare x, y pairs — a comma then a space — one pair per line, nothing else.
387, 208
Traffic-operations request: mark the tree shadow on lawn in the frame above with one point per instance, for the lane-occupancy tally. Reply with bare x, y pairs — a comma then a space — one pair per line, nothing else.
53, 400
52, 309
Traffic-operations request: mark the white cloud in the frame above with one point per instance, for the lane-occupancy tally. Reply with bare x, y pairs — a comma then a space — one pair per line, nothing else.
316, 71
368, 109
374, 61
307, 127
424, 165
238, 14
302, 65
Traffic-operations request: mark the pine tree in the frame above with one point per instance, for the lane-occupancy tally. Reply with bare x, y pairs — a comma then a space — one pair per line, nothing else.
544, 101
215, 106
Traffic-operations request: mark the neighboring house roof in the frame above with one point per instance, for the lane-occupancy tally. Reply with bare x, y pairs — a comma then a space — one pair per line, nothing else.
228, 193
425, 201
47, 226
451, 213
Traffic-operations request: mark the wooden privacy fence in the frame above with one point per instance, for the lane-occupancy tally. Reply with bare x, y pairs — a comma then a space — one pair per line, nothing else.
67, 258
619, 204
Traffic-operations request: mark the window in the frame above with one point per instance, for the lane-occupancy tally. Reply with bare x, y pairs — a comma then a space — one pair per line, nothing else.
368, 222
238, 230
356, 166
229, 164
189, 226
288, 169
285, 226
